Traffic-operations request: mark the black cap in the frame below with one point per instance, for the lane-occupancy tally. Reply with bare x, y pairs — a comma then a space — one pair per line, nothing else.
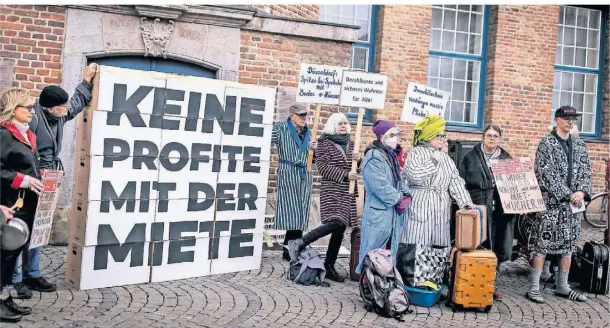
567, 111
52, 96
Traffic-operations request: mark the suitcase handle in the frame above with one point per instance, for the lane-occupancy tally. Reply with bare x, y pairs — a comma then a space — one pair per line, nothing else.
481, 219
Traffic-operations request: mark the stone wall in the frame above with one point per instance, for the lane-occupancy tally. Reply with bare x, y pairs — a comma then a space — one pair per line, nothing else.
311, 12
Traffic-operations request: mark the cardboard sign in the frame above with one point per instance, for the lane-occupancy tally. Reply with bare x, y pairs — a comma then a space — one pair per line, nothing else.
517, 185
363, 90
171, 179
319, 84
422, 100
47, 202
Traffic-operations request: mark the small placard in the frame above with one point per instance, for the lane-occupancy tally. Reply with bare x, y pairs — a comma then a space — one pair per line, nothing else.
319, 84
422, 100
517, 185
363, 90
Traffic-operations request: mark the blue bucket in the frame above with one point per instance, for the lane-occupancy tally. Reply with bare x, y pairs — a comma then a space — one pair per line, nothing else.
422, 297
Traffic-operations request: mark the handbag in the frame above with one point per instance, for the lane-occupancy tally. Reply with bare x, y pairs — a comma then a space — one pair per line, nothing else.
419, 263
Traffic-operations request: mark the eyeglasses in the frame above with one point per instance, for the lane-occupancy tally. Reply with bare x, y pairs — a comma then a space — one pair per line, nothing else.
302, 114
492, 136
29, 108
442, 136
570, 119
392, 135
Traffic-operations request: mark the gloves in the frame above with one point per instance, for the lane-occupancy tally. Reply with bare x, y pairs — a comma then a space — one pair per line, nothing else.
401, 207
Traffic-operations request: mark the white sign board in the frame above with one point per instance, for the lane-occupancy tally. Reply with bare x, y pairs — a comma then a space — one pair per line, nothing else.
319, 84
422, 100
363, 90
47, 202
177, 170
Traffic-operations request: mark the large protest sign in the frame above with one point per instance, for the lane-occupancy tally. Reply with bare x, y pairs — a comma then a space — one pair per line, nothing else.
422, 100
47, 202
171, 179
517, 185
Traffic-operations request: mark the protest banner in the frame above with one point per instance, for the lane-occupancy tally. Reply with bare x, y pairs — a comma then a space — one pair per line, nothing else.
318, 84
422, 100
362, 90
47, 202
171, 179
517, 185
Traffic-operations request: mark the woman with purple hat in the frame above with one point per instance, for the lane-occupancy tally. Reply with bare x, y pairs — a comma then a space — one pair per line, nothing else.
387, 194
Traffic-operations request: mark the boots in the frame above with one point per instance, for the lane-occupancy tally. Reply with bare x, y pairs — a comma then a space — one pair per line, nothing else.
332, 274
11, 312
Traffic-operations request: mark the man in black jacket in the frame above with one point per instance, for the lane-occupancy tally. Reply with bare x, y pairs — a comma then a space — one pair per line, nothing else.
52, 111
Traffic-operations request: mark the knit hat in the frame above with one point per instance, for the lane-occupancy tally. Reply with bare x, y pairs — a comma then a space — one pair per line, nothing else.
428, 128
380, 127
52, 96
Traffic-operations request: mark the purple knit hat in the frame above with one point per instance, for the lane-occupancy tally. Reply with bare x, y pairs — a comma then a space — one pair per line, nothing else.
380, 127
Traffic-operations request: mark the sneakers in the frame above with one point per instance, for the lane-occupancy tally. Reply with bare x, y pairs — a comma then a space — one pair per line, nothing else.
40, 284
23, 292
498, 296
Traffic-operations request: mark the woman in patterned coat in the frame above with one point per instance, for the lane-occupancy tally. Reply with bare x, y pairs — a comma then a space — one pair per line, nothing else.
292, 139
334, 156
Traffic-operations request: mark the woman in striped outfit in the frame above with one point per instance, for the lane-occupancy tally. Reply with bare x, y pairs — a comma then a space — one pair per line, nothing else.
334, 156
433, 179
292, 139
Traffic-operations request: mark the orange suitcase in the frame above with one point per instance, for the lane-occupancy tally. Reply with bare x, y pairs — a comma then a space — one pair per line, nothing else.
470, 228
473, 274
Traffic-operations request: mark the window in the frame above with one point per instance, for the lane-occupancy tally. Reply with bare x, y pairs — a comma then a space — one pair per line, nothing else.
458, 51
363, 51
579, 65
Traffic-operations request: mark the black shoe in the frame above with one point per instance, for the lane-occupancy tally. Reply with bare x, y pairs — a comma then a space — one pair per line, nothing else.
285, 254
6, 315
332, 274
23, 292
40, 284
11, 305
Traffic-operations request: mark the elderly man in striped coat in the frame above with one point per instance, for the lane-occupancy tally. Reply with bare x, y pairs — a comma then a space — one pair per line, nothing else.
293, 141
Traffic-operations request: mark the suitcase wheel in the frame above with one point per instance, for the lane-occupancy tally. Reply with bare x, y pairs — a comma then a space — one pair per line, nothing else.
487, 309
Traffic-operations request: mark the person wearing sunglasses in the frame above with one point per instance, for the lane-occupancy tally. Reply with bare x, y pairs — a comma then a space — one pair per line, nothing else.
433, 179
20, 182
292, 139
51, 113
563, 169
475, 169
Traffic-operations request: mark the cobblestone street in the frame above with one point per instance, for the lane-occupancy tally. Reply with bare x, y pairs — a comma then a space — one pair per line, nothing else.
263, 298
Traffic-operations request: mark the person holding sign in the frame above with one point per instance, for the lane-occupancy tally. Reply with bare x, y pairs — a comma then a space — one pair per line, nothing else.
563, 169
475, 169
20, 182
434, 180
51, 113
387, 195
333, 155
292, 139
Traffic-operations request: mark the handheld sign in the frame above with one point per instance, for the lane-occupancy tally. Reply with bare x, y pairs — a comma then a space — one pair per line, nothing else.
363, 90
47, 202
517, 185
170, 179
422, 100
318, 84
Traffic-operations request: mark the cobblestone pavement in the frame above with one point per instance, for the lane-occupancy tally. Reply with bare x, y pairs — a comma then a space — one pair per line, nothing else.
263, 298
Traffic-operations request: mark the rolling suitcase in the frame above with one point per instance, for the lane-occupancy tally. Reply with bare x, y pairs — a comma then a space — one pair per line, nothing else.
470, 228
473, 274
594, 268
354, 255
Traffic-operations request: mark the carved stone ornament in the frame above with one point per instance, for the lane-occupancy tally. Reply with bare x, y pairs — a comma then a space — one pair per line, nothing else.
156, 36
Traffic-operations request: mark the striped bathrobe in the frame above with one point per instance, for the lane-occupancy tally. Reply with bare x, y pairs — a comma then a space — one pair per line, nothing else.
432, 187
335, 201
293, 180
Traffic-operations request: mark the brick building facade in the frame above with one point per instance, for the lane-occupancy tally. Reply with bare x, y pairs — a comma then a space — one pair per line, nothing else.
514, 75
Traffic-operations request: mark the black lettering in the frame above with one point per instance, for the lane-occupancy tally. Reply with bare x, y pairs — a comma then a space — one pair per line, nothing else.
246, 116
177, 241
232, 151
183, 158
224, 201
110, 156
219, 226
247, 194
192, 115
194, 189
214, 111
144, 196
163, 188
252, 156
140, 157
122, 105
197, 157
237, 237
109, 194
161, 108
108, 243
156, 245
216, 159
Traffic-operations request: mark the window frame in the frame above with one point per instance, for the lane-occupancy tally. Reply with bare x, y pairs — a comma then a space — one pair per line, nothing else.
482, 59
370, 64
599, 72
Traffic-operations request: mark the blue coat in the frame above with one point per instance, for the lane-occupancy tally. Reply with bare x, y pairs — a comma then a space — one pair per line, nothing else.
379, 218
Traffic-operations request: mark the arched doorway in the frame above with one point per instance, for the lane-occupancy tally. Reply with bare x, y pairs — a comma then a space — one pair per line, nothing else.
156, 64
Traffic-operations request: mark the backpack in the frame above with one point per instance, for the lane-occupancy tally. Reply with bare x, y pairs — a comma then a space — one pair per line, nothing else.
308, 267
381, 286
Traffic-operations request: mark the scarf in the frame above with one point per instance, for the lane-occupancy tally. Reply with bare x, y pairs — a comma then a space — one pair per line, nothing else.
428, 128
341, 140
22, 127
392, 156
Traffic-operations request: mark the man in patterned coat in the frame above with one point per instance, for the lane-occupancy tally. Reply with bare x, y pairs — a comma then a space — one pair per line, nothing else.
293, 141
563, 170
